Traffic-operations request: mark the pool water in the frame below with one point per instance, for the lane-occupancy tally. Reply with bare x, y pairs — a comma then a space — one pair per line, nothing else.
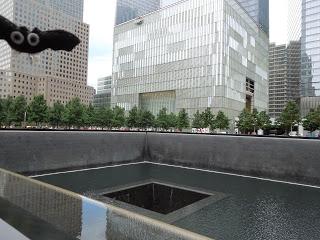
249, 209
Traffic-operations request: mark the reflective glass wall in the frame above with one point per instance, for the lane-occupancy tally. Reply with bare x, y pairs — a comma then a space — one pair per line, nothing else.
310, 51
131, 9
259, 11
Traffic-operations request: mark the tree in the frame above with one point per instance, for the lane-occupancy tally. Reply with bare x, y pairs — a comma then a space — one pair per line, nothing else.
56, 114
89, 116
119, 118
37, 110
255, 119
74, 113
8, 114
289, 117
246, 122
104, 117
312, 120
2, 113
197, 120
183, 120
133, 118
221, 122
263, 121
17, 110
207, 118
146, 119
172, 120
162, 119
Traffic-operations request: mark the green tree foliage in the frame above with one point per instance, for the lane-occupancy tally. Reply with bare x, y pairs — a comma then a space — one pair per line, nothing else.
134, 117
104, 117
312, 120
37, 110
172, 120
119, 118
74, 113
246, 122
55, 115
183, 120
197, 120
222, 121
289, 117
163, 120
263, 121
17, 110
89, 116
207, 118
8, 114
2, 113
146, 119
255, 120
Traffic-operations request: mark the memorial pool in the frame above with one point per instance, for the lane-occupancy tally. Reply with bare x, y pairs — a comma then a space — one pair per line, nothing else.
238, 207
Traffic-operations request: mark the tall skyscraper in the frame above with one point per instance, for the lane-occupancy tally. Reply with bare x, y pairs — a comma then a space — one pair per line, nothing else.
73, 8
59, 76
284, 76
180, 57
259, 11
131, 9
304, 26
310, 40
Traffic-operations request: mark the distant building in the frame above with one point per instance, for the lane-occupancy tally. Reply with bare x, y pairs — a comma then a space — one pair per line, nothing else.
259, 11
310, 55
284, 76
103, 96
180, 57
59, 76
131, 9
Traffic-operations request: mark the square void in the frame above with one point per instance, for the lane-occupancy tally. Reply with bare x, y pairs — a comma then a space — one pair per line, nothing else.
157, 197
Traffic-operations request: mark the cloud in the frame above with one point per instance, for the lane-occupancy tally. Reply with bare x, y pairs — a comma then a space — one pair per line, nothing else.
100, 15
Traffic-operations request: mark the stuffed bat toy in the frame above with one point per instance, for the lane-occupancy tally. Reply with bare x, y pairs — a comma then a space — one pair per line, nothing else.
22, 39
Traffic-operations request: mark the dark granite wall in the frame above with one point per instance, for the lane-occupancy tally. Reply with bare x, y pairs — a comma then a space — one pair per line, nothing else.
284, 159
35, 152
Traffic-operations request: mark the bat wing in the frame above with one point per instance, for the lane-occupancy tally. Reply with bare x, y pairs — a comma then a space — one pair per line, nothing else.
6, 28
58, 40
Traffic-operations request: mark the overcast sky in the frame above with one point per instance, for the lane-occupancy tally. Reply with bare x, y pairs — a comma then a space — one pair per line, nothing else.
100, 14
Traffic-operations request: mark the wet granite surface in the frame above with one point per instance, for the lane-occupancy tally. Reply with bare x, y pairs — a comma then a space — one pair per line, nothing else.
254, 209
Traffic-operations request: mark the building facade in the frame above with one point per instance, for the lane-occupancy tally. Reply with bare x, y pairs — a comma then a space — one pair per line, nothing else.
131, 9
259, 11
59, 76
193, 55
103, 96
284, 76
310, 55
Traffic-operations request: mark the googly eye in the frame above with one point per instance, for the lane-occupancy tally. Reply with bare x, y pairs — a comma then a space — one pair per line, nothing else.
33, 39
17, 37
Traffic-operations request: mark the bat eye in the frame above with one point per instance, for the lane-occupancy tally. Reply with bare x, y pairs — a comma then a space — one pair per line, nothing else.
33, 39
17, 37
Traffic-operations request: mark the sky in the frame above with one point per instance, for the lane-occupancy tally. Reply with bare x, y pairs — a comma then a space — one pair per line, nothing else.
100, 15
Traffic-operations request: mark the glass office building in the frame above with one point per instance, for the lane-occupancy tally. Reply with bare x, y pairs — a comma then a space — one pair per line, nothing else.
310, 55
131, 9
259, 11
103, 96
304, 25
193, 55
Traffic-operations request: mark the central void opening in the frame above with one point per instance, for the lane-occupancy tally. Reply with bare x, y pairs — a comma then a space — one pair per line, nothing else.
157, 197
